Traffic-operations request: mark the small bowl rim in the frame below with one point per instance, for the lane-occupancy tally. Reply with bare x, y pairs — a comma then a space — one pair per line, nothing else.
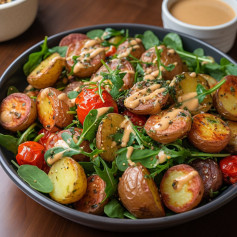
11, 4
166, 11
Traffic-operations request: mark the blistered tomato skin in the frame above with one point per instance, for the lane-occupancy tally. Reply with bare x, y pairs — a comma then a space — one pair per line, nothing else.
31, 153
136, 119
47, 134
90, 99
228, 167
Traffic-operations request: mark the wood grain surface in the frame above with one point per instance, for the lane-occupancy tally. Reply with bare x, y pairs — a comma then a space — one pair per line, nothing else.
20, 215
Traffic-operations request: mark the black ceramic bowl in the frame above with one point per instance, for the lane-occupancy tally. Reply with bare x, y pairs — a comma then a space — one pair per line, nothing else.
14, 76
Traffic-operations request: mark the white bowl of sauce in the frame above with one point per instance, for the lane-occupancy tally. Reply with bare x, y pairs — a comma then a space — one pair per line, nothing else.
214, 21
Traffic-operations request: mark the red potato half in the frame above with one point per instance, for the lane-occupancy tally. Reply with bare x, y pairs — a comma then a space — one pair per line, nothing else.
139, 194
209, 133
17, 112
181, 188
72, 38
93, 201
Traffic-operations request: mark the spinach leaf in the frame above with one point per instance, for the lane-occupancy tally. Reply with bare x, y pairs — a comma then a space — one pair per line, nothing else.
9, 142
149, 39
114, 209
72, 94
109, 33
11, 90
95, 33
61, 50
174, 41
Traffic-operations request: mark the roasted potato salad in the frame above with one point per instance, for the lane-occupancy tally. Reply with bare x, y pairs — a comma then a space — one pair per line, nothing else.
232, 144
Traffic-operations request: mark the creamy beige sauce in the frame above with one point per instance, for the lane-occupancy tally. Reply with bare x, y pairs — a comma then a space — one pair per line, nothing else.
165, 120
126, 125
151, 76
133, 44
102, 111
44, 93
181, 181
70, 102
162, 157
139, 97
56, 157
189, 101
202, 12
128, 155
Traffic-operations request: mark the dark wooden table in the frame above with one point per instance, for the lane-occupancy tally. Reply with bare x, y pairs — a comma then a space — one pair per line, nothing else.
21, 216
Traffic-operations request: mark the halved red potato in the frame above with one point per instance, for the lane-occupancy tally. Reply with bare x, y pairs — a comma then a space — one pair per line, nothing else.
183, 88
108, 127
181, 188
17, 112
167, 57
47, 72
89, 54
169, 125
75, 85
72, 38
232, 145
209, 133
57, 140
124, 66
93, 201
52, 111
139, 194
146, 97
133, 46
225, 98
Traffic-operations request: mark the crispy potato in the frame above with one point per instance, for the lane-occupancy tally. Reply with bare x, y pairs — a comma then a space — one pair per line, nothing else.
93, 201
104, 137
183, 89
146, 97
47, 72
89, 52
169, 125
133, 46
210, 173
209, 133
75, 85
17, 112
232, 145
69, 181
124, 66
139, 194
225, 98
211, 80
52, 111
72, 38
167, 57
181, 188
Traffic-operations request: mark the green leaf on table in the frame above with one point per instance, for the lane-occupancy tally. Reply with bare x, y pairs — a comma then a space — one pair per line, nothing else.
92, 34
9, 142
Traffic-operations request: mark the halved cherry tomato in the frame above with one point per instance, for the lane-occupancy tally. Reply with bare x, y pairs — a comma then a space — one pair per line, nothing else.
90, 99
31, 153
47, 134
111, 51
228, 167
136, 119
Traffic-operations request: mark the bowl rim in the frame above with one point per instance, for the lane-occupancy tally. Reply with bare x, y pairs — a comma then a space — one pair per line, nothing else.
99, 222
167, 13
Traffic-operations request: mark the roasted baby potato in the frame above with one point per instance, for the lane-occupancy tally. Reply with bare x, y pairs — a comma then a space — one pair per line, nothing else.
72, 38
108, 127
52, 111
69, 181
169, 125
232, 145
47, 72
17, 112
133, 46
93, 201
181, 188
146, 97
225, 98
89, 54
73, 86
211, 175
183, 90
209, 133
124, 66
139, 194
167, 57
211, 80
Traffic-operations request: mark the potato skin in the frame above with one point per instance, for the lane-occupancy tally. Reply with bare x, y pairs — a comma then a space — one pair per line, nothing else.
72, 38
70, 189
47, 72
225, 98
232, 145
190, 194
52, 112
209, 133
139, 193
17, 112
167, 57
73, 86
177, 127
210, 173
95, 194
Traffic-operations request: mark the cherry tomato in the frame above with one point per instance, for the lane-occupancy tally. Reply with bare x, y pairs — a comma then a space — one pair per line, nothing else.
47, 134
111, 51
138, 120
228, 167
90, 99
31, 153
